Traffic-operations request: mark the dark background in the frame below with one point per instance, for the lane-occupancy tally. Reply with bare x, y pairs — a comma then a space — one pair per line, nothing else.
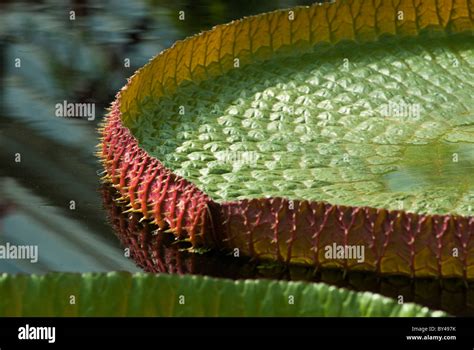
77, 61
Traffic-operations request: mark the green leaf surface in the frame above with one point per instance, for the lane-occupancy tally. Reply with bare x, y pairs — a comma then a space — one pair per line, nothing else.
388, 124
124, 294
352, 103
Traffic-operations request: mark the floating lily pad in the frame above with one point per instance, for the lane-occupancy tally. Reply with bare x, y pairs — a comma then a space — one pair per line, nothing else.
280, 135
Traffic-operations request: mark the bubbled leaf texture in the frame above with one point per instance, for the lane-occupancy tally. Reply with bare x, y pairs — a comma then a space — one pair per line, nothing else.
124, 294
325, 127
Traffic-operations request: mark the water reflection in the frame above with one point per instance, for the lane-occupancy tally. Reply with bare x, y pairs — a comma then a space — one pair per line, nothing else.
47, 57
64, 241
158, 252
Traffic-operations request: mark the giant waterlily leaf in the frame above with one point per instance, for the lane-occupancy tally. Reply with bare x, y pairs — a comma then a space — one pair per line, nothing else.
346, 124
123, 294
